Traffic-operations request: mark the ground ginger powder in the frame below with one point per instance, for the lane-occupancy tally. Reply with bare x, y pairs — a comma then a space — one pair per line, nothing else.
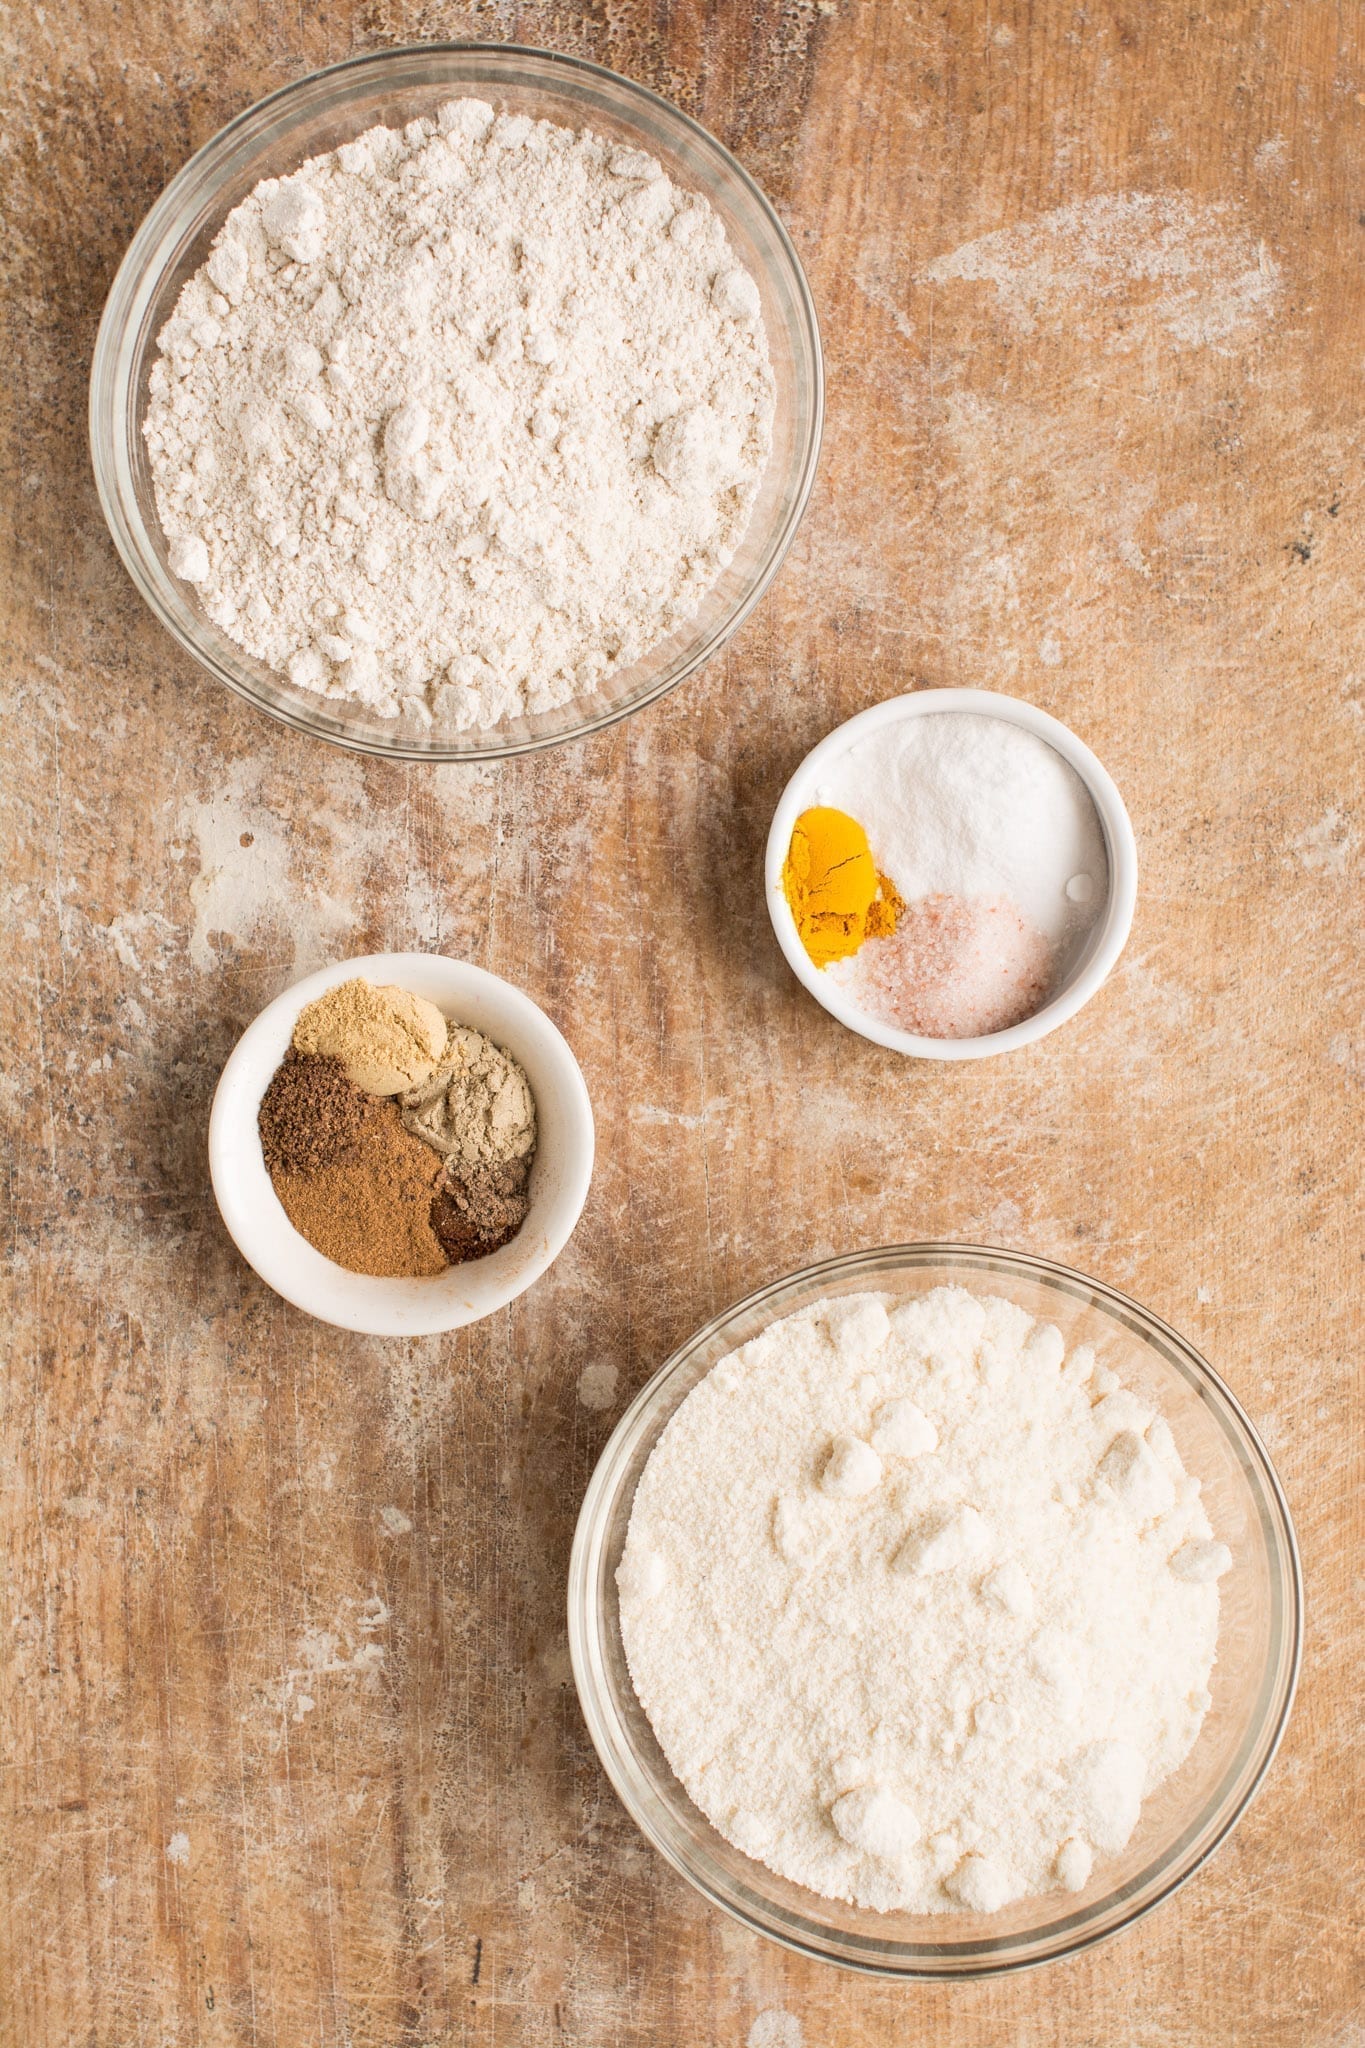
387, 1039
831, 882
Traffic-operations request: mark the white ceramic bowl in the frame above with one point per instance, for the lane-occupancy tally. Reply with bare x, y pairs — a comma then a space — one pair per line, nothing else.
560, 1174
1107, 937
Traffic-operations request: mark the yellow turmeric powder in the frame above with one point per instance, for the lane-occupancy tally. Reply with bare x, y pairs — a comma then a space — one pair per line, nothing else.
837, 897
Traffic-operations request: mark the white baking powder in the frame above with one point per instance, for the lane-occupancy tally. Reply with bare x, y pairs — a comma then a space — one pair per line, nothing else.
460, 420
919, 1608
964, 805
993, 841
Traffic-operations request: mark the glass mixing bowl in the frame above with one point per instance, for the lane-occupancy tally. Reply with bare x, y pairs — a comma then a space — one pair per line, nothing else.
1253, 1681
321, 112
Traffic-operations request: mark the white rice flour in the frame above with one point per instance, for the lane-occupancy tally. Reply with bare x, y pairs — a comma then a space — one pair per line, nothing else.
919, 1608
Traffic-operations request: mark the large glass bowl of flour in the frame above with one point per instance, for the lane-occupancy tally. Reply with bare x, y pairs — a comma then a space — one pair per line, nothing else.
319, 114
1181, 1823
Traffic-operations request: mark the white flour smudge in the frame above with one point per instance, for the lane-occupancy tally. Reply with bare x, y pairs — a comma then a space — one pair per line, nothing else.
178, 1849
249, 879
266, 874
597, 1387
775, 2028
1326, 848
141, 940
422, 1394
875, 277
1150, 259
345, 1650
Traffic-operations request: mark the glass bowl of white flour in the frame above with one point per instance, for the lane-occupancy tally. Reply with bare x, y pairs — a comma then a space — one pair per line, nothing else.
936, 1611
456, 401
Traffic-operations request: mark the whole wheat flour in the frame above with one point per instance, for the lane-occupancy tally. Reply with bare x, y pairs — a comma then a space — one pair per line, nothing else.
456, 421
919, 1608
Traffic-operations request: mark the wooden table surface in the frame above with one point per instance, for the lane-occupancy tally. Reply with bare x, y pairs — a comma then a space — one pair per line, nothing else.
291, 1751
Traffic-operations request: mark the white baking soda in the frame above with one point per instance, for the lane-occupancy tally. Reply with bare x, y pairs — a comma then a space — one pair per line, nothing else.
962, 804
920, 1608
993, 842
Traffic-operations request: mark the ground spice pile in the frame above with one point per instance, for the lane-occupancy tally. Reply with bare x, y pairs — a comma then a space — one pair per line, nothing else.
836, 893
398, 1144
477, 1111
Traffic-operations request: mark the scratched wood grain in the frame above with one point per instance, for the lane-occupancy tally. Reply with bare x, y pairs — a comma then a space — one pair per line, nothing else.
291, 1753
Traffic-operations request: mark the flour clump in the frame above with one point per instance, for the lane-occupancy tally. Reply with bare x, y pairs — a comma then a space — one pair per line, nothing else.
455, 422
920, 1608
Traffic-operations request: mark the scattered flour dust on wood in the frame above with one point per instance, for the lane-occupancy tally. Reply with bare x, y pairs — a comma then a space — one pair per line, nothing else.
597, 1386
774, 2027
919, 1607
267, 880
1196, 271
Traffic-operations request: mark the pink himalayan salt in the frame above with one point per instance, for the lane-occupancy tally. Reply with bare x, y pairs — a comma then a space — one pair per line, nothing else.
954, 968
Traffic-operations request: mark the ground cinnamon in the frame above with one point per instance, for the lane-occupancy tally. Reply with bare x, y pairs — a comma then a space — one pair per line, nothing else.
349, 1177
372, 1211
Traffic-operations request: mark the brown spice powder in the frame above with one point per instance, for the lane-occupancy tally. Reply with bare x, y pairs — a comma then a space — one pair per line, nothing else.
349, 1177
368, 1193
480, 1208
311, 1116
372, 1212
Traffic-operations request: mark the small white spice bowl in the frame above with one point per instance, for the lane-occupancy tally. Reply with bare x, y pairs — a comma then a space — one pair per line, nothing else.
560, 1174
1103, 943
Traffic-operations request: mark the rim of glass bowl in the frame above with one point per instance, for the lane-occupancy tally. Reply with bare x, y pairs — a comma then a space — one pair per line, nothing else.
176, 220
941, 1960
